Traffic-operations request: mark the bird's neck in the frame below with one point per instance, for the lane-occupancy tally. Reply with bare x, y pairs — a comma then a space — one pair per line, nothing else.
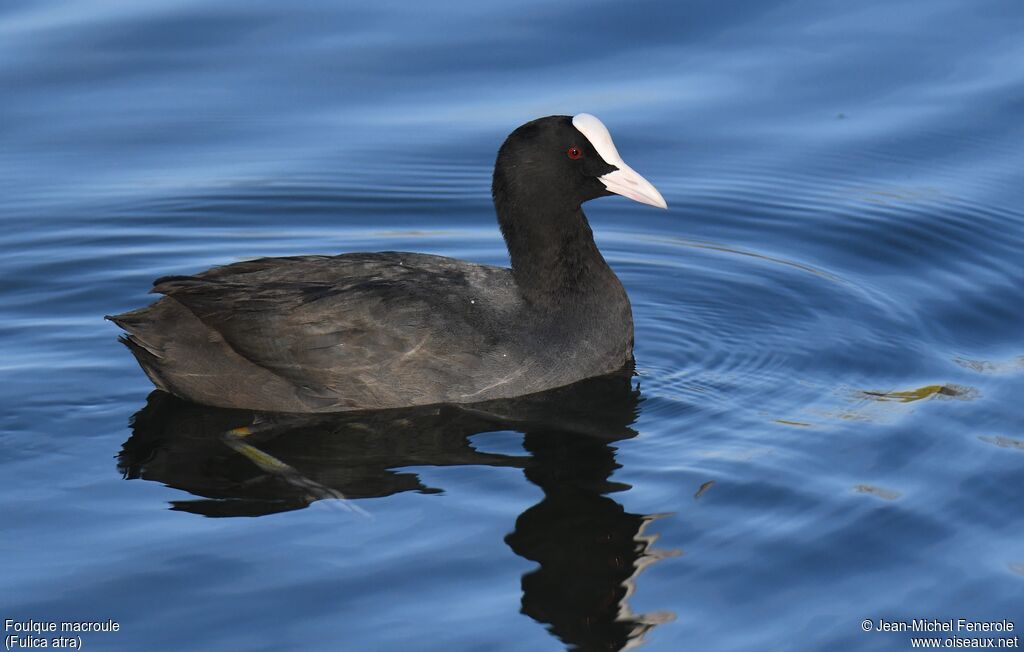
553, 254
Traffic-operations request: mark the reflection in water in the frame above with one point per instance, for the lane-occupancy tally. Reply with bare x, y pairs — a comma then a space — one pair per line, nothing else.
590, 550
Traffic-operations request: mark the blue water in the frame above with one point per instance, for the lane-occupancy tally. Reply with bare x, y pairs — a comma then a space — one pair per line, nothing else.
829, 318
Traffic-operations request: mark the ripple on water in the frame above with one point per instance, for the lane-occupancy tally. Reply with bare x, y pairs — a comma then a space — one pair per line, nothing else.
738, 329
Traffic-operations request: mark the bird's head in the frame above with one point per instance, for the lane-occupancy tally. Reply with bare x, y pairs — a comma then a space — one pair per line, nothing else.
564, 161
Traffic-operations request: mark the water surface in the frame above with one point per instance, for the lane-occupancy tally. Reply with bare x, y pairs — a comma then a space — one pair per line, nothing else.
826, 425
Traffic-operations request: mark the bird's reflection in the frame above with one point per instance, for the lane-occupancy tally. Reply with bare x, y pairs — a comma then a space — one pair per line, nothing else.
589, 549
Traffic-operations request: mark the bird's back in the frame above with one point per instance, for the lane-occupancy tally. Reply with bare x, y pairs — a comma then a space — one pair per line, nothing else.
332, 333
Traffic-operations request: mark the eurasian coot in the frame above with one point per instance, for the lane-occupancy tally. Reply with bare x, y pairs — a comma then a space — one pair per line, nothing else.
365, 331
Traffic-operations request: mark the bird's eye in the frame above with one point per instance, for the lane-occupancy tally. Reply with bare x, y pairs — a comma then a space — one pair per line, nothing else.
574, 152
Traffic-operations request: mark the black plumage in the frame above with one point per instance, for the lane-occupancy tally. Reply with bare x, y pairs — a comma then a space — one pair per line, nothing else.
384, 330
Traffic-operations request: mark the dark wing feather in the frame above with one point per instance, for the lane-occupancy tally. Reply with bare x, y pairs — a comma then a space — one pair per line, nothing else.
369, 327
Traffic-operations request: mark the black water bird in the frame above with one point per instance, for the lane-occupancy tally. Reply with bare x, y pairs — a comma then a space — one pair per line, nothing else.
366, 331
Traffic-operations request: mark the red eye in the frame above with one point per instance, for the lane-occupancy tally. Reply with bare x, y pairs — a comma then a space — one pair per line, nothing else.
574, 152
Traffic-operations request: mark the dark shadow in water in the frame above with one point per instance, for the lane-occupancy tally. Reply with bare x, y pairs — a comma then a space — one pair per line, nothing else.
242, 463
589, 548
